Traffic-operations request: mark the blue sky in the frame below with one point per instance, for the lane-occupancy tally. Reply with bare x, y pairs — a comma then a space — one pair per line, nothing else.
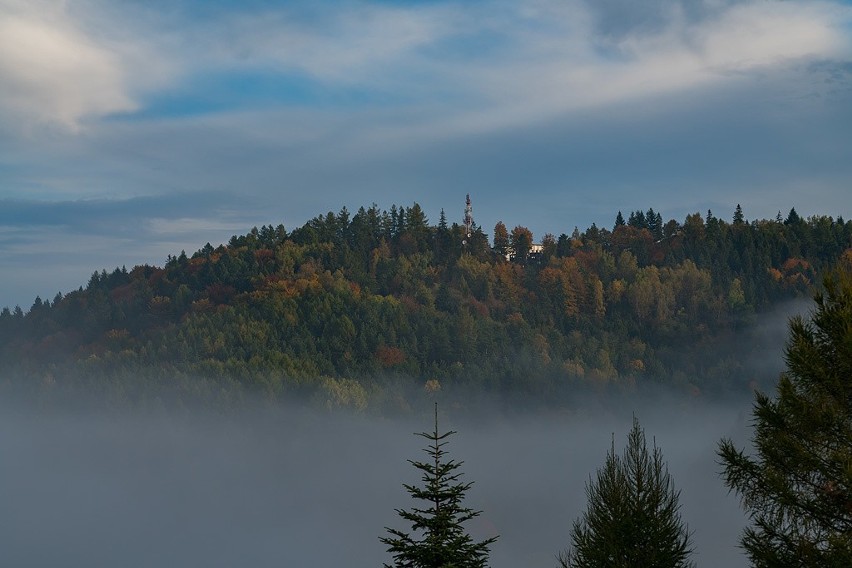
130, 130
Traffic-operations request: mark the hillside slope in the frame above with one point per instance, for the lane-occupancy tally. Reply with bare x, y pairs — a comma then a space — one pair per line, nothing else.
355, 309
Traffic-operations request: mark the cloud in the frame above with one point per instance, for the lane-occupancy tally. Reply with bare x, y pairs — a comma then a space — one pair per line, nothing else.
349, 44
771, 33
564, 64
52, 71
464, 68
476, 66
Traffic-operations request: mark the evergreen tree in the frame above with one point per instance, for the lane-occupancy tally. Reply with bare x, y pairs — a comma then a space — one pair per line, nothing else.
739, 218
793, 218
444, 542
638, 220
501, 239
563, 245
520, 243
655, 223
658, 222
633, 517
442, 238
797, 485
593, 234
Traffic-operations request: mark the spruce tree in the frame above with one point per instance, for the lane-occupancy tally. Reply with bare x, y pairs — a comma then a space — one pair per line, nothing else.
739, 218
633, 517
438, 522
501, 239
797, 483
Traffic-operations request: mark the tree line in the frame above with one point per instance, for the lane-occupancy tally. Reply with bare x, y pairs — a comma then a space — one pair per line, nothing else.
353, 309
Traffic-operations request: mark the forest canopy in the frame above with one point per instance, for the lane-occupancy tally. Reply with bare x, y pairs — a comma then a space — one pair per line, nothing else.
352, 309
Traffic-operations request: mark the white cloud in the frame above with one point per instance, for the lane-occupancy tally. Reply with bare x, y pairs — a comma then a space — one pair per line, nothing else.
52, 71
72, 62
563, 66
772, 33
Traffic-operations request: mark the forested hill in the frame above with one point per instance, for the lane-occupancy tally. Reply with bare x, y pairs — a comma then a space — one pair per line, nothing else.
353, 309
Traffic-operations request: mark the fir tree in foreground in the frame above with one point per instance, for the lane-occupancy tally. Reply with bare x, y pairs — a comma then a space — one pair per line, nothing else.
797, 484
443, 541
633, 518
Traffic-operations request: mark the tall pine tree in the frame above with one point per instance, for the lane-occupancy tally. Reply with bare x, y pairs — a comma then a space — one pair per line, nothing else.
633, 518
797, 484
443, 542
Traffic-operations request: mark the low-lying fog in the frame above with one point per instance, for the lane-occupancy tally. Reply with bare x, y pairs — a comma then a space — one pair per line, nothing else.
298, 488
293, 487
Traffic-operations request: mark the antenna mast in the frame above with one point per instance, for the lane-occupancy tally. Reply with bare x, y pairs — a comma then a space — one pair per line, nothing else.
468, 219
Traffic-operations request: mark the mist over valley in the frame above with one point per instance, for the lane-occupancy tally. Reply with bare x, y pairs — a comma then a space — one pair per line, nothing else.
296, 487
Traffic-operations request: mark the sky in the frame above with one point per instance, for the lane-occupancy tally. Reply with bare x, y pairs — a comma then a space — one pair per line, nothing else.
134, 129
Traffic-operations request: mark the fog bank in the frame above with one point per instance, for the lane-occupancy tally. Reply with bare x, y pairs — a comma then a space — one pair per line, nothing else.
291, 487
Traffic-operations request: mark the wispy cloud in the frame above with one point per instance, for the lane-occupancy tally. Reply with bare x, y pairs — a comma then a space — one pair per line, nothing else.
563, 64
349, 43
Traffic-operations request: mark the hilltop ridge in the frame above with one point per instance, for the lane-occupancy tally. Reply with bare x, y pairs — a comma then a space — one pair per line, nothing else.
352, 309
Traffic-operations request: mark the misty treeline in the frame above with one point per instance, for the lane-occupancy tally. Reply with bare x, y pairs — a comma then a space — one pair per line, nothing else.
377, 308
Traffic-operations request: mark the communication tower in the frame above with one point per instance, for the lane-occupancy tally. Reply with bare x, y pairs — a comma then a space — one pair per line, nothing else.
468, 219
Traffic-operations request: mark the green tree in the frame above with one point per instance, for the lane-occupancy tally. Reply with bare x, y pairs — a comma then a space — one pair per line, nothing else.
739, 218
797, 484
793, 218
633, 517
501, 239
444, 542
521, 241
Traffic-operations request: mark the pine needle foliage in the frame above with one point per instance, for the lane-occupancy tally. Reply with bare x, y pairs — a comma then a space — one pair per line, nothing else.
440, 540
797, 484
633, 517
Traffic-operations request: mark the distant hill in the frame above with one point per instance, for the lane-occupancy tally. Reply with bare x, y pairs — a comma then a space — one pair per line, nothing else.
372, 308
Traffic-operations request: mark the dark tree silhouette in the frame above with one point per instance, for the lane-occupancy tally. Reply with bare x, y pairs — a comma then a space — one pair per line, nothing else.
443, 541
797, 484
501, 239
633, 517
